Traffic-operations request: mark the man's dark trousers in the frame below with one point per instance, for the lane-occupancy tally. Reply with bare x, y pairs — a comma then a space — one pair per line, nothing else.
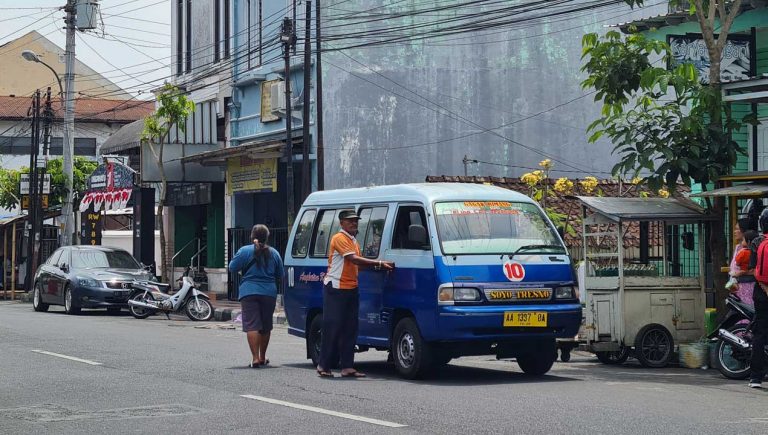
760, 333
340, 310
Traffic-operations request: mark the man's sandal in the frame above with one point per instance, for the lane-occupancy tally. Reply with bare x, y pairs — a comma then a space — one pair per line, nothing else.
354, 374
324, 373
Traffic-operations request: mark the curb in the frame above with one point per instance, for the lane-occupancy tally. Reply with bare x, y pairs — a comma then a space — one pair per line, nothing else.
228, 314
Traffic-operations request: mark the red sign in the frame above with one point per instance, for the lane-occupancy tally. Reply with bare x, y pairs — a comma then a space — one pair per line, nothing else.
514, 271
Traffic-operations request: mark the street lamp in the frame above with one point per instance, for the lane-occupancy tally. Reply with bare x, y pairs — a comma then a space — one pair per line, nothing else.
67, 102
33, 57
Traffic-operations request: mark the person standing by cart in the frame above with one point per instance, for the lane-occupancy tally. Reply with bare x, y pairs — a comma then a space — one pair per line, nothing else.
760, 297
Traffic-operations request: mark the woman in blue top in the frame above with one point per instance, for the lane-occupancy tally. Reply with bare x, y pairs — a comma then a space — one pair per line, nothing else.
261, 267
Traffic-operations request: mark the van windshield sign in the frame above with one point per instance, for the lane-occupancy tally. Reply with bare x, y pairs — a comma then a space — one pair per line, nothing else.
472, 207
494, 227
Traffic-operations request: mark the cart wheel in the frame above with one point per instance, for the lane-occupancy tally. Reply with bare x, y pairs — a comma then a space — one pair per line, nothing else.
614, 358
565, 355
654, 346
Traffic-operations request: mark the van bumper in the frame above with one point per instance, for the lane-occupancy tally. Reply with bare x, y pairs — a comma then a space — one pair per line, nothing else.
482, 323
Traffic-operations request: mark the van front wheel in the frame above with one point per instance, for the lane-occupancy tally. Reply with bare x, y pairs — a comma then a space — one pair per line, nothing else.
314, 337
539, 360
412, 355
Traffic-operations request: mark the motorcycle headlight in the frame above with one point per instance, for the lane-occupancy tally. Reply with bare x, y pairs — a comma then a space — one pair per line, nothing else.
87, 282
566, 292
449, 295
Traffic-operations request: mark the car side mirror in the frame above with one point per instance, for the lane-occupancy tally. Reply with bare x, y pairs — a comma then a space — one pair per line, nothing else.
64, 268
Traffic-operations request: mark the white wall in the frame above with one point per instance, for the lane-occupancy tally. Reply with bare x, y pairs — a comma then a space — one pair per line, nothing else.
124, 240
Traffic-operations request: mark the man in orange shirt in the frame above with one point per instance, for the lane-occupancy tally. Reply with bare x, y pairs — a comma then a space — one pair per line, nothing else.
341, 299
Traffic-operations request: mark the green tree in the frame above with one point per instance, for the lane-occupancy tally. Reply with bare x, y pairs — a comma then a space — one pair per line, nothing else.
665, 124
172, 112
9, 181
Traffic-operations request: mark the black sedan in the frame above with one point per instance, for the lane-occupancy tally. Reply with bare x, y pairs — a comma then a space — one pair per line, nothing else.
86, 277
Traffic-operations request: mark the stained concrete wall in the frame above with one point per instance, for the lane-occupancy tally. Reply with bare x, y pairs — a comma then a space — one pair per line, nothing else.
401, 112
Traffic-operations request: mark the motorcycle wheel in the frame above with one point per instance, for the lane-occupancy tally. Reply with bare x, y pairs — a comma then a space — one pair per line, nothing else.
199, 309
614, 358
139, 312
733, 362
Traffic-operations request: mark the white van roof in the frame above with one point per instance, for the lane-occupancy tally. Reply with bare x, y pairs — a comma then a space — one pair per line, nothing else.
425, 193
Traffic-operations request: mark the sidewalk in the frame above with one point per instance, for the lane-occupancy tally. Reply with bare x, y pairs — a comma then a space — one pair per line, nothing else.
225, 310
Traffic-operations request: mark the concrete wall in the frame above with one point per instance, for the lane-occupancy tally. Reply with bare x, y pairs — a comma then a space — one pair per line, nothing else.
400, 112
21, 77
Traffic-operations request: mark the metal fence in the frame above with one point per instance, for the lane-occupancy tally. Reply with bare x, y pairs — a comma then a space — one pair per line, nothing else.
239, 237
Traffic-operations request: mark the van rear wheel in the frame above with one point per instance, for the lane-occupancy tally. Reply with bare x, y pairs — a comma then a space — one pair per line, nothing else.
412, 355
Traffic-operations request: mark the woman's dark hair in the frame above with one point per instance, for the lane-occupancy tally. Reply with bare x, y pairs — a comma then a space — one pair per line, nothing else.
746, 224
260, 237
749, 235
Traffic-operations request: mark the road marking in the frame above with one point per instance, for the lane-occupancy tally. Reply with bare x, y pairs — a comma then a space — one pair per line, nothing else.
324, 411
72, 358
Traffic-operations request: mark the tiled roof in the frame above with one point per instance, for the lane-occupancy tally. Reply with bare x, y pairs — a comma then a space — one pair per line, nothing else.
86, 109
568, 204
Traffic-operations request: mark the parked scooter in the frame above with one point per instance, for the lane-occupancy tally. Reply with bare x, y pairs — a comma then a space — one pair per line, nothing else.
149, 297
734, 348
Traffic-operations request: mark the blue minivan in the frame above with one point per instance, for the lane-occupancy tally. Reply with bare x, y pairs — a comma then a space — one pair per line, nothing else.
481, 270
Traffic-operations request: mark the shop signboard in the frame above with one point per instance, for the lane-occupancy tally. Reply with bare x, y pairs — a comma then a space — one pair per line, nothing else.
251, 175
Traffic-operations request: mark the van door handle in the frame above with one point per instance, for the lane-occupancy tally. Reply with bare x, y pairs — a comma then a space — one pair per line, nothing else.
290, 277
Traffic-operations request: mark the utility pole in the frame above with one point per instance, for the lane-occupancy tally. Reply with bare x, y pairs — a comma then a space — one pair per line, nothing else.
306, 178
288, 38
69, 124
31, 191
465, 160
42, 163
319, 104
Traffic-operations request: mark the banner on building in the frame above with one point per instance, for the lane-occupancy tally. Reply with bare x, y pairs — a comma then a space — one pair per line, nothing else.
737, 59
251, 175
110, 185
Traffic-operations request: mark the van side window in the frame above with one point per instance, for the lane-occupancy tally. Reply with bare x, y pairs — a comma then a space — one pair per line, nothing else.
410, 222
303, 234
370, 229
327, 226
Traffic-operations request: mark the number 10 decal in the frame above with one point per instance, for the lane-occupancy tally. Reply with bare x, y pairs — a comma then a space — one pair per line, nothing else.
514, 271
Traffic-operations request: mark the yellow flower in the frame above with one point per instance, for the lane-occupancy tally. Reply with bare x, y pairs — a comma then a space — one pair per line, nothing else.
588, 184
532, 178
636, 181
664, 193
546, 164
563, 185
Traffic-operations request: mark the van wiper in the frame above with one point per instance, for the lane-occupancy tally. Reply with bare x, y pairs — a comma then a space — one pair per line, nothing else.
529, 247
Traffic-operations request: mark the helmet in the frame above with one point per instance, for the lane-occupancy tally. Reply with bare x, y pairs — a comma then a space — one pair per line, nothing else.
763, 221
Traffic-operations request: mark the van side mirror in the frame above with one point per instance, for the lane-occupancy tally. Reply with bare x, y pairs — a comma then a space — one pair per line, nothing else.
417, 236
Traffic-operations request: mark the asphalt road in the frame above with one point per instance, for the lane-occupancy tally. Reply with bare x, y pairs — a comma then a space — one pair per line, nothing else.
177, 376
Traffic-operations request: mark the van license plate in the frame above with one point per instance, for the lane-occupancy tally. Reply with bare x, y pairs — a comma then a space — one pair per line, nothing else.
525, 318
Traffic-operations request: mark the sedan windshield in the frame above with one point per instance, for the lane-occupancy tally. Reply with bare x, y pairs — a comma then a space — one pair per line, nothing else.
494, 227
87, 259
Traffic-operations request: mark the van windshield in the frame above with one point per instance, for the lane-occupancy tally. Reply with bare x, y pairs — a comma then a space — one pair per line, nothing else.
494, 227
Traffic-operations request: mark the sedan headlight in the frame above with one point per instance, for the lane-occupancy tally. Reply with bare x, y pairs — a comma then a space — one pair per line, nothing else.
87, 282
566, 292
448, 295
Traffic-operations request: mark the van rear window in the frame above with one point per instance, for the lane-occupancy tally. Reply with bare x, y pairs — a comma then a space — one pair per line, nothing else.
494, 227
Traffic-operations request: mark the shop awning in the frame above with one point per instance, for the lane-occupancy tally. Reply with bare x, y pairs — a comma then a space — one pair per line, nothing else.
742, 190
752, 90
258, 150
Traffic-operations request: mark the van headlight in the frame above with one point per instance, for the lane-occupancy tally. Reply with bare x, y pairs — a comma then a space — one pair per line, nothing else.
567, 292
448, 295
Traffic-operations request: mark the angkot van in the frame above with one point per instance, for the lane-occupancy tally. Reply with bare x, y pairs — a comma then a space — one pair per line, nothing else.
480, 270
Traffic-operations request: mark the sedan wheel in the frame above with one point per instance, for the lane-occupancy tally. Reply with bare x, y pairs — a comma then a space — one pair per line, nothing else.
37, 300
69, 304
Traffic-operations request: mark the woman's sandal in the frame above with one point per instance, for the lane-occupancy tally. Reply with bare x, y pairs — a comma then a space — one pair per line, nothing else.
354, 374
265, 362
324, 373
254, 365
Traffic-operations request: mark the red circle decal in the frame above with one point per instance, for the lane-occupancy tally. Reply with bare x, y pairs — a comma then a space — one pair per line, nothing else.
514, 271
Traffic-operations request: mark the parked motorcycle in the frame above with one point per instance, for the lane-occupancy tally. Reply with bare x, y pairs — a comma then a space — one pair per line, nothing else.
148, 297
734, 339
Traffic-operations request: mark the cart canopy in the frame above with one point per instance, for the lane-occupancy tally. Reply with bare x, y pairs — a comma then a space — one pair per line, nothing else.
646, 209
749, 190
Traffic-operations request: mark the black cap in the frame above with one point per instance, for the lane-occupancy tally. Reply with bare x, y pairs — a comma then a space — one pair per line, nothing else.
348, 214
